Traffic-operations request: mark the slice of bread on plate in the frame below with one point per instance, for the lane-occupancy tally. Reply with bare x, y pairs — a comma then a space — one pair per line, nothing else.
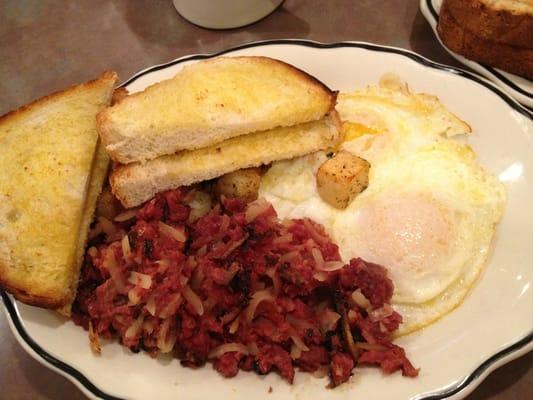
209, 102
501, 21
136, 183
494, 32
52, 170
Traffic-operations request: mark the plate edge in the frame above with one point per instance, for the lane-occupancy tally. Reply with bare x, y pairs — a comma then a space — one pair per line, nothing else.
71, 373
472, 380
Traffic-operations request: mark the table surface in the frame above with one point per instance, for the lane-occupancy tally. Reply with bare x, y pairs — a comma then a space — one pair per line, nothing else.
46, 45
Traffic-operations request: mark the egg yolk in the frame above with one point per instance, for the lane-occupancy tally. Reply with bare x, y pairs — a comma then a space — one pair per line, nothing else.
353, 130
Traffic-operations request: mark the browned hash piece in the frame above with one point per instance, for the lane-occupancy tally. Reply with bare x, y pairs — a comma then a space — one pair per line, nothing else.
239, 288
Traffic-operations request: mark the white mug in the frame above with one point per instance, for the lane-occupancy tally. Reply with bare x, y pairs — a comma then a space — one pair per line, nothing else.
224, 14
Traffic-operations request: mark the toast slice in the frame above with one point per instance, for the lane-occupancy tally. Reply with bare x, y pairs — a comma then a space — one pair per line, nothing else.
502, 21
51, 175
462, 40
136, 183
209, 102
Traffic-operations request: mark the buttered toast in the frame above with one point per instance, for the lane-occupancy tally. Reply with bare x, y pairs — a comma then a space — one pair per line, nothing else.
135, 183
209, 102
52, 173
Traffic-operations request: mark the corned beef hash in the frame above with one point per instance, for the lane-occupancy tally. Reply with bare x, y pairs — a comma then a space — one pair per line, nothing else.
234, 285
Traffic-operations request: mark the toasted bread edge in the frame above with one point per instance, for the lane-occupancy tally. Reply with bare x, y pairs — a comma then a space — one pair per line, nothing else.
99, 172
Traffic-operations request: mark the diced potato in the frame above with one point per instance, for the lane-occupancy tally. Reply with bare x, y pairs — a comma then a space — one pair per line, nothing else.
341, 178
243, 184
107, 205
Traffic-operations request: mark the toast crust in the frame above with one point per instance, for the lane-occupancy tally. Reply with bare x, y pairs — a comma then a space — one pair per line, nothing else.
99, 173
34, 300
518, 60
190, 111
23, 290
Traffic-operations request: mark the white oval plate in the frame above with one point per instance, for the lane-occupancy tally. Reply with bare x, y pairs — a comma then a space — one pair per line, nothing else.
518, 87
493, 326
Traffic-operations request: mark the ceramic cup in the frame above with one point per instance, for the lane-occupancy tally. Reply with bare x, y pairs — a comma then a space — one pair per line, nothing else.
224, 14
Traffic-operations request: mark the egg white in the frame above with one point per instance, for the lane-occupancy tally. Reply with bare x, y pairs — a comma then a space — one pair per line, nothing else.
429, 212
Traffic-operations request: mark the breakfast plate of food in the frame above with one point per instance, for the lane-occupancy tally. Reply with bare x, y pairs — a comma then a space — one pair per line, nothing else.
282, 219
494, 38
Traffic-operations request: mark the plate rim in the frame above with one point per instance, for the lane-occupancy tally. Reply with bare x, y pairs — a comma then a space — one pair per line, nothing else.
464, 386
432, 16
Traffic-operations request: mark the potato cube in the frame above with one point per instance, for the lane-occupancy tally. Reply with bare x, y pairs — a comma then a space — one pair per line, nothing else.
341, 178
243, 184
107, 205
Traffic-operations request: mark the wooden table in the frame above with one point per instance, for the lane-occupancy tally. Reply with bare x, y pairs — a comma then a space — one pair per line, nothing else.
46, 45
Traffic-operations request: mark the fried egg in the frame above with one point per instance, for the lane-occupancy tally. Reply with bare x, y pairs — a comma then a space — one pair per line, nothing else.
429, 212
